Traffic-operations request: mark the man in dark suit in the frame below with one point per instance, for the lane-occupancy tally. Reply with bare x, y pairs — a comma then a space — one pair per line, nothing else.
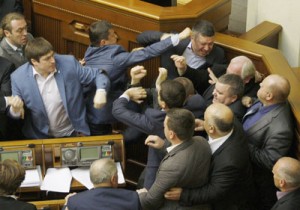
105, 53
199, 50
286, 173
53, 93
186, 163
268, 125
104, 195
15, 38
12, 175
230, 183
7, 6
171, 95
6, 68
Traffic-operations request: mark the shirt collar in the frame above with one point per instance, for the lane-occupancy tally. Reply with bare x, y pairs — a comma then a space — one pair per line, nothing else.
11, 45
170, 148
282, 194
35, 73
216, 143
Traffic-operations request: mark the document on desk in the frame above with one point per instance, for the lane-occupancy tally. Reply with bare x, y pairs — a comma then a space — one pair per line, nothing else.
57, 180
33, 177
82, 175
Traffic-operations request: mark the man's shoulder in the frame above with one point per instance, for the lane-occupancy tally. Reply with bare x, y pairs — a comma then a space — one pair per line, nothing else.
21, 71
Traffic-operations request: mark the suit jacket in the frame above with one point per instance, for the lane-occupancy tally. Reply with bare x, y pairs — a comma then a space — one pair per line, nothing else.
7, 6
8, 203
6, 68
187, 165
115, 61
230, 184
70, 78
216, 56
289, 201
270, 138
10, 54
104, 198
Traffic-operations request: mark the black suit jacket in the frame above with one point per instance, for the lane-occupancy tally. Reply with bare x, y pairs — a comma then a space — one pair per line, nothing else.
8, 203
230, 184
290, 201
6, 68
215, 57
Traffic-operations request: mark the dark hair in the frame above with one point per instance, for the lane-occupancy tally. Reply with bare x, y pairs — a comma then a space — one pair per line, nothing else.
182, 122
203, 27
36, 48
235, 82
172, 93
6, 20
99, 30
187, 84
12, 175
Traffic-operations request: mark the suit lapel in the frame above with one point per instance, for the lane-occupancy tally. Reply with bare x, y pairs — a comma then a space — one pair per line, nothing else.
15, 55
180, 147
264, 121
61, 86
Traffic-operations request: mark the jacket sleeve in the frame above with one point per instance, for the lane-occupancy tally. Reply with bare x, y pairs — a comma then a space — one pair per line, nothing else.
131, 118
149, 37
5, 81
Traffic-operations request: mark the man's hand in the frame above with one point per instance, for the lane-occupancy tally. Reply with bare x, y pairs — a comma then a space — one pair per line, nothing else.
82, 61
137, 73
247, 101
213, 78
99, 99
154, 142
199, 125
185, 33
173, 194
162, 76
180, 64
136, 94
143, 190
16, 104
137, 49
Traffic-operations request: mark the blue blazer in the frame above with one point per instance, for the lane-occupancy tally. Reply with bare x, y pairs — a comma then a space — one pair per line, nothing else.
105, 198
70, 78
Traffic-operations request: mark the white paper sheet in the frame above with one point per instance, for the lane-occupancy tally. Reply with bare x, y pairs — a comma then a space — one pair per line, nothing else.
33, 177
82, 175
57, 180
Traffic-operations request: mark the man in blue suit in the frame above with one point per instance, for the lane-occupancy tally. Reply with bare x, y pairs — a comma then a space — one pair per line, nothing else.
105, 53
51, 87
104, 195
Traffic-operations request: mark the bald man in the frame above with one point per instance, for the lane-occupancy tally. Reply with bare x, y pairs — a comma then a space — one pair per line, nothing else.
104, 195
268, 125
230, 182
286, 173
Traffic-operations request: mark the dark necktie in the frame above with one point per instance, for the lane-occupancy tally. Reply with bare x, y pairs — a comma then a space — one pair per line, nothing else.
20, 51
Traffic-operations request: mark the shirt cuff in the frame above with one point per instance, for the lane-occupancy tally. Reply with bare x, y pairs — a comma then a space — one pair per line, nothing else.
175, 39
124, 95
6, 103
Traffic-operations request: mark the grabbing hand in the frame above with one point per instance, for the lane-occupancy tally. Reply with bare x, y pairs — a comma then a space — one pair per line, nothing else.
136, 94
99, 99
199, 125
17, 105
173, 194
154, 142
247, 101
180, 64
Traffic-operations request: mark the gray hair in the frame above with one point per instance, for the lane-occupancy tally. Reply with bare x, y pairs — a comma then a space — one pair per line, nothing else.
102, 170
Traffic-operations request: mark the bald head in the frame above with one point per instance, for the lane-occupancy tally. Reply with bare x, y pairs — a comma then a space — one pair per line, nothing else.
274, 89
243, 67
287, 169
220, 117
102, 171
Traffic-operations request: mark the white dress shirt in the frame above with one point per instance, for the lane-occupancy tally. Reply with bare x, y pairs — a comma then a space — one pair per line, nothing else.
192, 60
216, 143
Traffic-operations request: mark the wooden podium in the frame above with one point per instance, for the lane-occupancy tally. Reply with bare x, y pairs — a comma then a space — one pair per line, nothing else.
65, 23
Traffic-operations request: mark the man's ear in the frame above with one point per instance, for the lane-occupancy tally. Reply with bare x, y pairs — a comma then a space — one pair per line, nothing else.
102, 42
163, 105
6, 33
211, 129
114, 181
233, 98
33, 61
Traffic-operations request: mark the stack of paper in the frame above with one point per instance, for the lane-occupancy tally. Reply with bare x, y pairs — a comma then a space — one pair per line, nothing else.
33, 177
57, 180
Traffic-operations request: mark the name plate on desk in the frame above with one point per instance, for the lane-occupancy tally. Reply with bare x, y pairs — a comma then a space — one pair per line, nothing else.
24, 156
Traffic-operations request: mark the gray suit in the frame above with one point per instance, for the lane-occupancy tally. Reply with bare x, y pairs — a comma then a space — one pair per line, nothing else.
187, 165
9, 53
270, 138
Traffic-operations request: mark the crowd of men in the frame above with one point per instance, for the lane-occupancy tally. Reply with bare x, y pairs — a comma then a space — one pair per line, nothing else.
239, 160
